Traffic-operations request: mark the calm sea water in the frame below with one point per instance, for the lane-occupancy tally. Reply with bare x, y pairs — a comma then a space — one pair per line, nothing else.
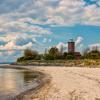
15, 81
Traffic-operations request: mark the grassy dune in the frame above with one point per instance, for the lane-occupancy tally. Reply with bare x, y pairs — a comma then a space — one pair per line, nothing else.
80, 63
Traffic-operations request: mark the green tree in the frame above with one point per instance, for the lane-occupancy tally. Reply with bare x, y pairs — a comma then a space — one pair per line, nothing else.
92, 54
48, 57
54, 52
70, 56
65, 55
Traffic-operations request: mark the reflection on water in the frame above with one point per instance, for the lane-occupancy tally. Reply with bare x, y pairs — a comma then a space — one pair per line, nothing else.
14, 81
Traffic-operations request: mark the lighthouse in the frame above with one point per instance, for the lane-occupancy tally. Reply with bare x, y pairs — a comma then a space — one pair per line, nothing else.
71, 46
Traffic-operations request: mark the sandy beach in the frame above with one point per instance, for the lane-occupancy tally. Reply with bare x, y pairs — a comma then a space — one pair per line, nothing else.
69, 83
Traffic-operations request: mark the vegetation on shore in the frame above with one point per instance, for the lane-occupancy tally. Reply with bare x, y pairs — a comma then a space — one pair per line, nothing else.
57, 57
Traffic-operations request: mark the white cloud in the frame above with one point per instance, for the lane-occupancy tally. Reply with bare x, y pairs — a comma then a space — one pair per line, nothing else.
11, 46
93, 46
16, 37
91, 15
50, 40
79, 44
46, 40
55, 12
78, 40
62, 45
23, 26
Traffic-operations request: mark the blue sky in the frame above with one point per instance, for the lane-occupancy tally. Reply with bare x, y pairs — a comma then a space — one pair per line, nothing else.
40, 24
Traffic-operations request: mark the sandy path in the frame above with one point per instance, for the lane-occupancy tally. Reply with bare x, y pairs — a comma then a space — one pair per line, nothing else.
70, 84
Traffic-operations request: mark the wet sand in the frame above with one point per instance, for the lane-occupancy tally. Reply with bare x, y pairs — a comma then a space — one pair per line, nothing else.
15, 85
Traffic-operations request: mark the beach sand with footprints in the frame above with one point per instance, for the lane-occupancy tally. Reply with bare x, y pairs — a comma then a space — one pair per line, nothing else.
69, 83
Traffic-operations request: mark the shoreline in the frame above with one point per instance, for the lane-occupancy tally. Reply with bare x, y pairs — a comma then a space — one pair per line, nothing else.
61, 83
42, 81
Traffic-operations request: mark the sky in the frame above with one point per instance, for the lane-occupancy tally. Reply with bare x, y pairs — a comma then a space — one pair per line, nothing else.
41, 24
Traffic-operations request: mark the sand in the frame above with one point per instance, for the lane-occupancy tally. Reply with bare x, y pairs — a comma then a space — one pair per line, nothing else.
70, 84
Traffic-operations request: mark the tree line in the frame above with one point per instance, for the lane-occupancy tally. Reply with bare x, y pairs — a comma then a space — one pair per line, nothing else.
55, 54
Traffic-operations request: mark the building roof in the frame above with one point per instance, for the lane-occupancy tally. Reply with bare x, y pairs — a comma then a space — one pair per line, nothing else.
71, 40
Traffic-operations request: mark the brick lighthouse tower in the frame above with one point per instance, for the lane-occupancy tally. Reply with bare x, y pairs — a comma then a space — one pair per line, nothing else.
71, 46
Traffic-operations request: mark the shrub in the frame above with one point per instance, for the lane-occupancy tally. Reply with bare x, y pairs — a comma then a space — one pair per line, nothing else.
92, 55
48, 57
29, 55
70, 56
